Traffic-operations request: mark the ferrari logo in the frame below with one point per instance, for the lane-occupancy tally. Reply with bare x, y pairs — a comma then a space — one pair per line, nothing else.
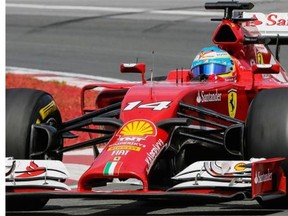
116, 158
232, 102
260, 59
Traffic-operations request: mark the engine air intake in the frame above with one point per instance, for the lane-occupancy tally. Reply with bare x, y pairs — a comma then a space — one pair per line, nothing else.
225, 34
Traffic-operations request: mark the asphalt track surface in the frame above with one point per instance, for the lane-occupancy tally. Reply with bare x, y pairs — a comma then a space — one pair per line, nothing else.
93, 38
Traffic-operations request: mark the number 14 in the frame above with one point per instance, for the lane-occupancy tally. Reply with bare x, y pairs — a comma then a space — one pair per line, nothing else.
154, 106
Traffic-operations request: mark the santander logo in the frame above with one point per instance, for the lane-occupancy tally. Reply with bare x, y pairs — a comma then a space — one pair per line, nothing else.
32, 170
260, 178
257, 21
268, 23
204, 97
273, 19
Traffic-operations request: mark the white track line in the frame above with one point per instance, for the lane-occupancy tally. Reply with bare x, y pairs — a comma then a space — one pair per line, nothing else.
114, 9
72, 79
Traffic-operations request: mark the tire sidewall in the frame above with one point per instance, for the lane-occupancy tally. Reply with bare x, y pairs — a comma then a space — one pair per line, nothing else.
267, 125
266, 131
24, 108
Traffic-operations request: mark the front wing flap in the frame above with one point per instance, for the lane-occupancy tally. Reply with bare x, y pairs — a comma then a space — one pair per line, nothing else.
260, 178
40, 174
221, 180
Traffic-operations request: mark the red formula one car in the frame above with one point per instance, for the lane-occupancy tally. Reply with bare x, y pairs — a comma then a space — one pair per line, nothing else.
218, 130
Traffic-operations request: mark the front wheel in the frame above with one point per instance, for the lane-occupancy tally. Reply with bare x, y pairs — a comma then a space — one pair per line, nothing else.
25, 107
267, 127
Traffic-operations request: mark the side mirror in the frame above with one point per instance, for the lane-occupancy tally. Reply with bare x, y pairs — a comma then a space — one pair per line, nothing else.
134, 68
265, 68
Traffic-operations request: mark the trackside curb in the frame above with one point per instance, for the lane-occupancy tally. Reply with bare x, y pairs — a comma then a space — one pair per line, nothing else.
73, 79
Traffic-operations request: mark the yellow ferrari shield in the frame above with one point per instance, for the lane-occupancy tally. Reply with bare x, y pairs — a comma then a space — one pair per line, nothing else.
260, 59
232, 103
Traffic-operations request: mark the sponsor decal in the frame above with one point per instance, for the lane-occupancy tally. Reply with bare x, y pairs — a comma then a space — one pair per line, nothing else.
112, 168
45, 111
116, 158
138, 128
124, 147
265, 177
130, 136
266, 76
280, 19
273, 23
260, 59
275, 19
125, 141
232, 102
32, 170
203, 97
130, 139
205, 54
120, 152
240, 167
272, 19
153, 153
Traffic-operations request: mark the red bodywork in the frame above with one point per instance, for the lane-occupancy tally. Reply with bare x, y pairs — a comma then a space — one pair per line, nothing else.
136, 145
149, 107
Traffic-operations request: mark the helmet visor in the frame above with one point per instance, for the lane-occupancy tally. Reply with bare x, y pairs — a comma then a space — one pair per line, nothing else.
209, 69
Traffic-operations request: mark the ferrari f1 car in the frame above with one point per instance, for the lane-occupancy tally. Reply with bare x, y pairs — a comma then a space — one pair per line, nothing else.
216, 130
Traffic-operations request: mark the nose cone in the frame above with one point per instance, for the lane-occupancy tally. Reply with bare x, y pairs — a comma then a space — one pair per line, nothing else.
130, 154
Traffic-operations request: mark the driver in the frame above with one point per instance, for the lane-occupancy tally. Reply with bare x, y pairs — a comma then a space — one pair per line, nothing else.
213, 61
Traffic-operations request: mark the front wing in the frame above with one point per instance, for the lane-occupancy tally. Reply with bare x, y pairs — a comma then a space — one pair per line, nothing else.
221, 180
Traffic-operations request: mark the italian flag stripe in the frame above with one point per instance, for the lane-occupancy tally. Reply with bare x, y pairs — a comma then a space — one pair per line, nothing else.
112, 168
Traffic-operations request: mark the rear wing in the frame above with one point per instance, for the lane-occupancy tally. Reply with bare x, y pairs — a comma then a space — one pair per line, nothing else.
273, 28
273, 24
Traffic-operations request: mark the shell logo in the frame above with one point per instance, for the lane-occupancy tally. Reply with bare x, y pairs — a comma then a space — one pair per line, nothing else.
240, 167
138, 128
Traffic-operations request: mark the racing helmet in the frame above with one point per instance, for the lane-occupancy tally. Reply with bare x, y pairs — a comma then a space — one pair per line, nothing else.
213, 61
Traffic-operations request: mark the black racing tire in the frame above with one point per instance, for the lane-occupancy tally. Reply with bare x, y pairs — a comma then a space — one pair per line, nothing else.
266, 130
23, 107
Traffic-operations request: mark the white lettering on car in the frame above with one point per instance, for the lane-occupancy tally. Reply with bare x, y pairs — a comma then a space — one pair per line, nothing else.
154, 106
260, 178
203, 97
153, 153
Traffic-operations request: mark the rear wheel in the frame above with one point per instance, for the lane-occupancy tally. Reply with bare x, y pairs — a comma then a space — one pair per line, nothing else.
25, 107
267, 128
